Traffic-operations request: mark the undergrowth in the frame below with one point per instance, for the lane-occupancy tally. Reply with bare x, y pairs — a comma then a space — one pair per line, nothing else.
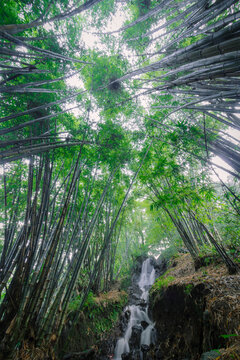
161, 283
101, 313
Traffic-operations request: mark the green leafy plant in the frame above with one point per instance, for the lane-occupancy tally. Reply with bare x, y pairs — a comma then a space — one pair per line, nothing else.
188, 289
228, 336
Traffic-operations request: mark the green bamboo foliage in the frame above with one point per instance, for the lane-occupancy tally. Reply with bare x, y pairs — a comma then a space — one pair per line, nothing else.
181, 209
207, 70
44, 256
75, 10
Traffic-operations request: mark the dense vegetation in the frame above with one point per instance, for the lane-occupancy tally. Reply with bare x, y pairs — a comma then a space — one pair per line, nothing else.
114, 116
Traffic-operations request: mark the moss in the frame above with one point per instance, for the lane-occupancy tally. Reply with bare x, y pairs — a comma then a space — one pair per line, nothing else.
95, 321
188, 289
161, 283
104, 311
206, 260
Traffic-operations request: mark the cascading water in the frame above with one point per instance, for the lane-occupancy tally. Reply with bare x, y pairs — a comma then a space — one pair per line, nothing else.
139, 321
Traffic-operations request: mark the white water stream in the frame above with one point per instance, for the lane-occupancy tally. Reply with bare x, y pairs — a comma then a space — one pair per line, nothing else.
137, 314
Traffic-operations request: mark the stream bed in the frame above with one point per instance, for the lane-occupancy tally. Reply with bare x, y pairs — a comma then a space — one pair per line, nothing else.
140, 332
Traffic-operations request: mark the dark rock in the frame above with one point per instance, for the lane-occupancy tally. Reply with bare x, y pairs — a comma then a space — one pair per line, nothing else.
142, 303
186, 327
158, 354
106, 347
124, 318
134, 294
177, 313
145, 348
127, 314
161, 266
136, 355
144, 324
210, 355
135, 339
126, 356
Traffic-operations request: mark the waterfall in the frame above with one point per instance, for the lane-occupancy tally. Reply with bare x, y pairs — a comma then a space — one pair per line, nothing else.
139, 319
121, 347
146, 335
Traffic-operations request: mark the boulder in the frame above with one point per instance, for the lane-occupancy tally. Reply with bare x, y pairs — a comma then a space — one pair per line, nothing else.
135, 339
144, 324
209, 355
126, 356
136, 355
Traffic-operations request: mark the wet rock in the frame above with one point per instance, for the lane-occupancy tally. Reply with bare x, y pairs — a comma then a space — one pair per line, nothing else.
134, 298
124, 318
107, 347
134, 295
210, 355
127, 314
158, 354
136, 355
145, 348
135, 337
160, 266
144, 324
142, 303
126, 356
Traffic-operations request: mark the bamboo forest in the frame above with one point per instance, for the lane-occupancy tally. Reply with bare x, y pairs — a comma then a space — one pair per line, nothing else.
119, 179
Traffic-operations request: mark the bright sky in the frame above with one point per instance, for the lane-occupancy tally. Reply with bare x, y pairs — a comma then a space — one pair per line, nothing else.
221, 173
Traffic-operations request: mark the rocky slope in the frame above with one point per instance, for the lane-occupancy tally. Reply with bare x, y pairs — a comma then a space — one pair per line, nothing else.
88, 333
197, 312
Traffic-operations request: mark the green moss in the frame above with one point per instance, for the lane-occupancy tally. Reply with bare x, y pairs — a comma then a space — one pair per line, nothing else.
161, 283
103, 314
95, 320
206, 259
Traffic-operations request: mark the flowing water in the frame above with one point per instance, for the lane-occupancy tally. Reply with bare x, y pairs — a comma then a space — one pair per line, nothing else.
138, 315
